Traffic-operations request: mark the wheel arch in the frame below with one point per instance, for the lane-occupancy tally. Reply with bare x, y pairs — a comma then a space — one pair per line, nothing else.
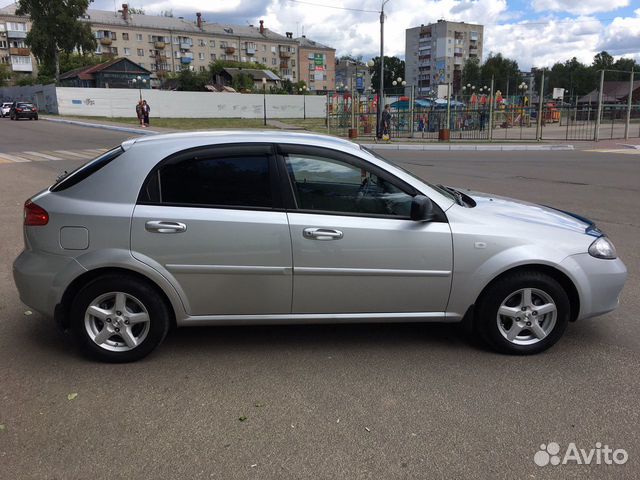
63, 308
562, 278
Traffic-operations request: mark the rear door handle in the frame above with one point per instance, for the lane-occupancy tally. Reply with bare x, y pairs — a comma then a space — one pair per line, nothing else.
322, 234
161, 226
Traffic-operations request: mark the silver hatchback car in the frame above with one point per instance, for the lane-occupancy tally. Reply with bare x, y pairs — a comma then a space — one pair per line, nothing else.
230, 228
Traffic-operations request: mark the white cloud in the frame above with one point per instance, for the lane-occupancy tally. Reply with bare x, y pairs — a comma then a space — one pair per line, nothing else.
622, 36
579, 7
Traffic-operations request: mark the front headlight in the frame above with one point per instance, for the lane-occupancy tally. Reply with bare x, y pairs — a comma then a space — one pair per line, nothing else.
603, 248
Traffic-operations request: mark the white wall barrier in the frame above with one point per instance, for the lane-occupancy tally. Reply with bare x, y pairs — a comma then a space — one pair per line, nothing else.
43, 96
112, 102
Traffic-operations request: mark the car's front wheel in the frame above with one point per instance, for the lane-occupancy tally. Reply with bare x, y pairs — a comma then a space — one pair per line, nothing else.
119, 319
523, 313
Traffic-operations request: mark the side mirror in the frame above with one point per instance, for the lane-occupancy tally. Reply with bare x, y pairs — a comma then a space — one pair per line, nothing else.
421, 209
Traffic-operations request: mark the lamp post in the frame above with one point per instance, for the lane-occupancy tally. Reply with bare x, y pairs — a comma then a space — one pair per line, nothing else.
140, 82
522, 88
381, 94
264, 99
303, 92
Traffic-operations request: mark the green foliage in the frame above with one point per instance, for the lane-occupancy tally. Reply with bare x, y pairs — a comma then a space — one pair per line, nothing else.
25, 80
55, 28
471, 72
502, 70
215, 68
188, 81
136, 11
71, 61
393, 68
243, 82
5, 73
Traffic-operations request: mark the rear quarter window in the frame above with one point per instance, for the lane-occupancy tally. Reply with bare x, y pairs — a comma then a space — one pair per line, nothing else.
86, 170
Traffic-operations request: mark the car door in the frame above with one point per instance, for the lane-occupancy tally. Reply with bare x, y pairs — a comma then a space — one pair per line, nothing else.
212, 219
355, 248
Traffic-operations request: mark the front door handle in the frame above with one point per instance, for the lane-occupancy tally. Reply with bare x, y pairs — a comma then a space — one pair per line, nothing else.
161, 226
322, 234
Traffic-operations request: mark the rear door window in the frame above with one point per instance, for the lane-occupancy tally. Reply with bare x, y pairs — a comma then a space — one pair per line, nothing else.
79, 174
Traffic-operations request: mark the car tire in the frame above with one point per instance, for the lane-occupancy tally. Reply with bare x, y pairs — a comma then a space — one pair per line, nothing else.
523, 313
116, 334
36, 117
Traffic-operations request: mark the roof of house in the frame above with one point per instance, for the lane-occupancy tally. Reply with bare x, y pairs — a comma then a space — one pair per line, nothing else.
87, 73
304, 42
611, 91
160, 22
255, 73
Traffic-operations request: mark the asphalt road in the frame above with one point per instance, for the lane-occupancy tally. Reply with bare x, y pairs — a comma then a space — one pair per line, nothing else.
352, 402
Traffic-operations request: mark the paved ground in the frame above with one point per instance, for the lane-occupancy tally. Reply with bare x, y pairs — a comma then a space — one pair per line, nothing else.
353, 402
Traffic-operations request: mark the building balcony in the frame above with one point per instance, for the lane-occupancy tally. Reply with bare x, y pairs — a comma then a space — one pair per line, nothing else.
185, 45
251, 50
21, 52
16, 34
159, 44
106, 41
186, 60
284, 53
230, 50
25, 66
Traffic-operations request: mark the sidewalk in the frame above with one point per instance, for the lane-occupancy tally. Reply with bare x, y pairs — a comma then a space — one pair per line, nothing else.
403, 144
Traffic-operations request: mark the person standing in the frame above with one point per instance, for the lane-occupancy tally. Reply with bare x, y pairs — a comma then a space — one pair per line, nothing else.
140, 113
386, 122
146, 109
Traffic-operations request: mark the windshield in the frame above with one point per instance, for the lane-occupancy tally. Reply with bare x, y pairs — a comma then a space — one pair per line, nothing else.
25, 105
438, 189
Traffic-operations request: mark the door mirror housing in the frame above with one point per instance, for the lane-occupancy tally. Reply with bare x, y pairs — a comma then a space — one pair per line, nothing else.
422, 209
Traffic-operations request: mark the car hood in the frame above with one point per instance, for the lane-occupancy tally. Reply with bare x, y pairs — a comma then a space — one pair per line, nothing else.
537, 215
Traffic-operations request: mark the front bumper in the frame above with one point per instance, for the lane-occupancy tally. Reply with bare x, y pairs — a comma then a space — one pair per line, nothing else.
40, 279
599, 283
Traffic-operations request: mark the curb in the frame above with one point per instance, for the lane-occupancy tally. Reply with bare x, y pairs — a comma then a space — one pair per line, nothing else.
100, 125
458, 148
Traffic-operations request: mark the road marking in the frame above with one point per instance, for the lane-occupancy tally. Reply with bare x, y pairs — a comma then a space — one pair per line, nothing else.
13, 158
43, 155
73, 154
625, 151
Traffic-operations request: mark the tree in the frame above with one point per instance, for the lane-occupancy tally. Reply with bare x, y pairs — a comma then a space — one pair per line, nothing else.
70, 61
504, 71
393, 68
242, 82
5, 73
189, 81
471, 72
602, 61
55, 28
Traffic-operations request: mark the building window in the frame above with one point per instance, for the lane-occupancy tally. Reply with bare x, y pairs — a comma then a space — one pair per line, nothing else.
201, 42
127, 51
274, 61
141, 64
201, 56
114, 50
273, 49
264, 60
244, 59
223, 44
141, 52
139, 37
212, 43
17, 27
203, 68
213, 57
293, 63
125, 36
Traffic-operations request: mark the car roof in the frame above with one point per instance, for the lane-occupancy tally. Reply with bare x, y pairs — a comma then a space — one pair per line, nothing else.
245, 136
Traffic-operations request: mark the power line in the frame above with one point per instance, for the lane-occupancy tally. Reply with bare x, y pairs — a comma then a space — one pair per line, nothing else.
335, 8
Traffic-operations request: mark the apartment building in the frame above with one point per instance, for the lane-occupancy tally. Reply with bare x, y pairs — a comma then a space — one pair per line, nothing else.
317, 65
162, 44
435, 54
353, 74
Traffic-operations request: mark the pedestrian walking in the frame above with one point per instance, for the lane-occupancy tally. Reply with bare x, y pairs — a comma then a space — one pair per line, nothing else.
146, 109
140, 113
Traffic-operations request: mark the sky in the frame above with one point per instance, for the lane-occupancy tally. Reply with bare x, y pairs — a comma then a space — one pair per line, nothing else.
533, 32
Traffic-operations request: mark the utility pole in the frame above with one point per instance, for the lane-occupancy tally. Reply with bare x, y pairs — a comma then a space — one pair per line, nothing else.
596, 135
629, 103
540, 107
491, 100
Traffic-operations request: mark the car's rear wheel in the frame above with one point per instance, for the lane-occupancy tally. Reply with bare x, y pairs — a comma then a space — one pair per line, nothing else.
36, 117
119, 319
523, 313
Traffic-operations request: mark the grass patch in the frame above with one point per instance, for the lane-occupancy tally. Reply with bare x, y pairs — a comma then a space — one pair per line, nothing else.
184, 123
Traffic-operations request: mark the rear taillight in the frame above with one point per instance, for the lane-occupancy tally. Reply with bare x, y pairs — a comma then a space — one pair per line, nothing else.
34, 109
18, 109
34, 215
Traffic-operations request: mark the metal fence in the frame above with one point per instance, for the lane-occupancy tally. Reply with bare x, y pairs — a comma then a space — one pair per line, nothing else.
602, 116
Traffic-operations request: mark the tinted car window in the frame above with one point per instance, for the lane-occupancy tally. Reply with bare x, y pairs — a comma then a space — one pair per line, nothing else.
227, 180
70, 179
331, 185
23, 105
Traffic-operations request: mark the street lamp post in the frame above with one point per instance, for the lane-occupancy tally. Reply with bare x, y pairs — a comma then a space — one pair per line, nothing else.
264, 99
381, 94
303, 92
140, 82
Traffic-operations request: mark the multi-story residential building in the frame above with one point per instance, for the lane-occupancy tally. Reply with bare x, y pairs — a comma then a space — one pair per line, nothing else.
166, 44
353, 74
317, 65
435, 54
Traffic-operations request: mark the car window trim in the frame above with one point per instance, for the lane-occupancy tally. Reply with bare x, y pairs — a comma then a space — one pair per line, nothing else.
218, 149
283, 149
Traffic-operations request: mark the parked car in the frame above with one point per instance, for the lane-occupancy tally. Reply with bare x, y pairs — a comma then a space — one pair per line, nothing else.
234, 228
4, 109
23, 110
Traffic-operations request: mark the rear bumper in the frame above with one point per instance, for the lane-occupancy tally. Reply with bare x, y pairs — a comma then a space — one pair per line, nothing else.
599, 283
39, 278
